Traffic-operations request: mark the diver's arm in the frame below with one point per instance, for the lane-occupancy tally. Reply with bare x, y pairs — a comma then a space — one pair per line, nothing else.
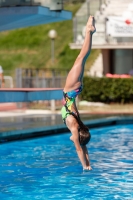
82, 152
86, 154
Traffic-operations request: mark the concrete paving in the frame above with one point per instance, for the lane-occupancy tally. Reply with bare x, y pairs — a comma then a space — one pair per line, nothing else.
23, 119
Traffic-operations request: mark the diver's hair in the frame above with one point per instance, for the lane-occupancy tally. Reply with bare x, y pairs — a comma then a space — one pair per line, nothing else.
84, 137
80, 123
84, 134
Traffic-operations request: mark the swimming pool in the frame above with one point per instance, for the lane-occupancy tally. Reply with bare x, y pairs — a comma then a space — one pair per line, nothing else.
48, 167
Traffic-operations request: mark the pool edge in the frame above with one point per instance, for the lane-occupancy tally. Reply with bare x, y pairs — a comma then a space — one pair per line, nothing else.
58, 129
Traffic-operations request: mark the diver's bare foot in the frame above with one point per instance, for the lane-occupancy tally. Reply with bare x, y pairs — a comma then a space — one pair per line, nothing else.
91, 25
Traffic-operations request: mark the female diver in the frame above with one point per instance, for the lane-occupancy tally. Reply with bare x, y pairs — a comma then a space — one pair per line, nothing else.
73, 87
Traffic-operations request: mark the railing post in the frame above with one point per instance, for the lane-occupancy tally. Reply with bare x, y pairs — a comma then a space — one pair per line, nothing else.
100, 3
53, 105
53, 78
19, 84
37, 78
19, 78
88, 8
74, 29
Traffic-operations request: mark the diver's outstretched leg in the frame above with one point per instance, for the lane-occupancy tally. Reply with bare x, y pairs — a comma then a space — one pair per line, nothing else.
75, 76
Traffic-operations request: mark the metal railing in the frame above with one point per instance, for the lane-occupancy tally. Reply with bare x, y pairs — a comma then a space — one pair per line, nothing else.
80, 20
8, 82
5, 3
73, 1
40, 78
52, 4
56, 5
36, 78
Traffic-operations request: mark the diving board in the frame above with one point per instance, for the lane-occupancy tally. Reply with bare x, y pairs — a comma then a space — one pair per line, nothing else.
25, 16
8, 95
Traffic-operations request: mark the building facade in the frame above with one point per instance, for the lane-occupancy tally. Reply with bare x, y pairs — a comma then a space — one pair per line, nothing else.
114, 36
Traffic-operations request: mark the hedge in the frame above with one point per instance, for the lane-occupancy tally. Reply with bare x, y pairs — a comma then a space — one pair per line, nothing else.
107, 90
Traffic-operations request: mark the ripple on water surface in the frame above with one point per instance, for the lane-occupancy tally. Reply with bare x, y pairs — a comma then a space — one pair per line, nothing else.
48, 167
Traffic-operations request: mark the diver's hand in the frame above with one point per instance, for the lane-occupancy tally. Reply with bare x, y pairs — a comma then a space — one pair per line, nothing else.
87, 168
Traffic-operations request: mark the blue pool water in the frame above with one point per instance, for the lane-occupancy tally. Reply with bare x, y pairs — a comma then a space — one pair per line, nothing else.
48, 167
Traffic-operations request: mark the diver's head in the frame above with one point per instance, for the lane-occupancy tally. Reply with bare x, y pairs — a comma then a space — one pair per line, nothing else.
84, 137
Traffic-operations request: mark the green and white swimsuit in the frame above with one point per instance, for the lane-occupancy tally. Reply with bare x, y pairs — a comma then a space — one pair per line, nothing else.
68, 101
